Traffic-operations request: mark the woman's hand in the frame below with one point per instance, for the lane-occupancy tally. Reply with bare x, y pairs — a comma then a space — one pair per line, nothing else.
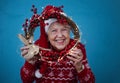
76, 56
29, 51
24, 50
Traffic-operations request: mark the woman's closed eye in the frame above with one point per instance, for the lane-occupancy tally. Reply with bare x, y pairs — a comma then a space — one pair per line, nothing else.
54, 30
65, 29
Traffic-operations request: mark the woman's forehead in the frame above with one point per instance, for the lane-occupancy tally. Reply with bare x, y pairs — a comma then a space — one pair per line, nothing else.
58, 25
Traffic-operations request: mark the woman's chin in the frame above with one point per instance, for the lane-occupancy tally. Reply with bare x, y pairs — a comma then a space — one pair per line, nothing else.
59, 48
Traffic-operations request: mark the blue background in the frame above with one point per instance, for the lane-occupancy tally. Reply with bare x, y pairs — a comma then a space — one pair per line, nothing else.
99, 22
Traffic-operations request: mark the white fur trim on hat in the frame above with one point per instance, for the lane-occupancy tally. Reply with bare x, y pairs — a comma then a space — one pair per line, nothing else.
48, 23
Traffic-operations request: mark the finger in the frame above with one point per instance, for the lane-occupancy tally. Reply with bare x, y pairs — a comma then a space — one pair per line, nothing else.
24, 52
76, 50
80, 59
79, 53
24, 48
74, 55
72, 58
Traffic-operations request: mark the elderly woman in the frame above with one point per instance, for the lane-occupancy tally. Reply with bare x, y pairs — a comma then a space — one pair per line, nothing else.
62, 64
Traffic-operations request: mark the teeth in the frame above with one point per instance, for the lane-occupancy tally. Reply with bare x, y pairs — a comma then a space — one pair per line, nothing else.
59, 40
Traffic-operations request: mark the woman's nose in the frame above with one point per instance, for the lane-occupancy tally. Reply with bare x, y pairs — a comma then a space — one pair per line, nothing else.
59, 34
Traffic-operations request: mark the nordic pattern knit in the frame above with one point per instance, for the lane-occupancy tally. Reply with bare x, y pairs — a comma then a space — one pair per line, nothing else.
59, 72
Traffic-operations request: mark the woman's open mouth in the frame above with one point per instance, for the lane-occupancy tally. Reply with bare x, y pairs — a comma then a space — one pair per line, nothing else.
60, 41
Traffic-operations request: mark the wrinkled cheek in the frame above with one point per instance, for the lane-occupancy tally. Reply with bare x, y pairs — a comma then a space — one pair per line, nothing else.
51, 39
68, 40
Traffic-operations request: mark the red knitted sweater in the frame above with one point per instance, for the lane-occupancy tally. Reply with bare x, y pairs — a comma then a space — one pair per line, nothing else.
59, 72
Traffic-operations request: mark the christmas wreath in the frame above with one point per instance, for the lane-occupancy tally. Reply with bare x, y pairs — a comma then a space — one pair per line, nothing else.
41, 46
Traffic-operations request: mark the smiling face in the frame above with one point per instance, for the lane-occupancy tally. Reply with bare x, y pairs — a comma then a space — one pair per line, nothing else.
59, 35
